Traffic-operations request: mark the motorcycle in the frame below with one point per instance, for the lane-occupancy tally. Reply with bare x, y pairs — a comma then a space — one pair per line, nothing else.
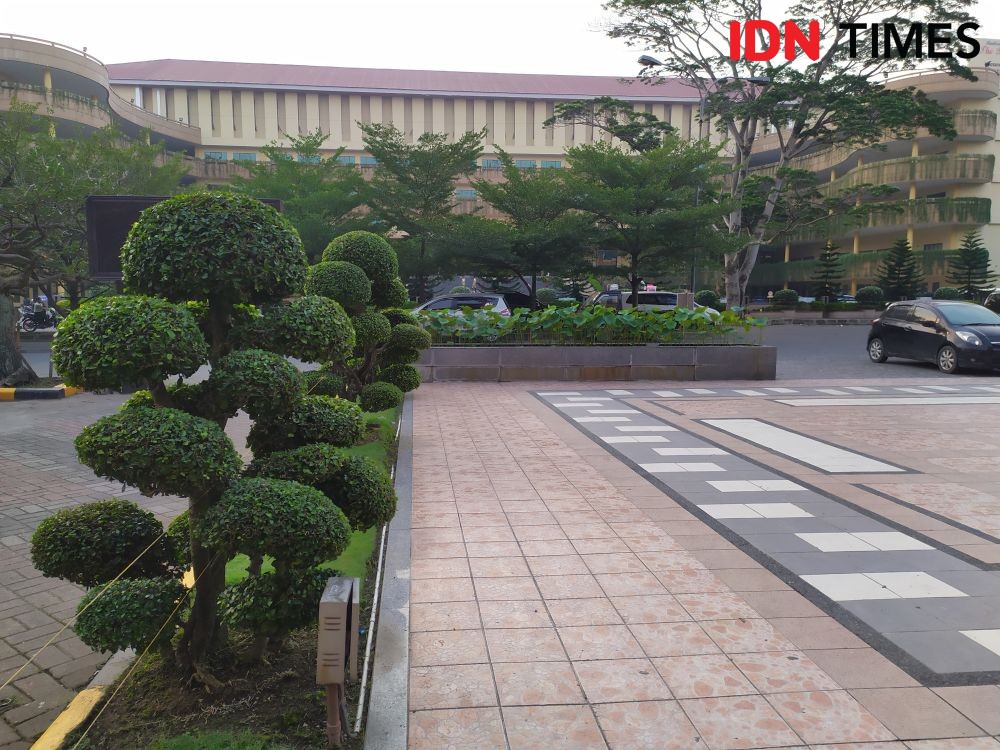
32, 321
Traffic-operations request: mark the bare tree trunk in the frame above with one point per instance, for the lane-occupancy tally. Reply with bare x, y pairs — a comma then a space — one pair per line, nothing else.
740, 265
634, 279
12, 368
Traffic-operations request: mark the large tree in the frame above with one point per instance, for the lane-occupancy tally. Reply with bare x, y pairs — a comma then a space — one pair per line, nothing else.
320, 195
829, 274
836, 99
899, 274
641, 131
413, 187
655, 208
969, 268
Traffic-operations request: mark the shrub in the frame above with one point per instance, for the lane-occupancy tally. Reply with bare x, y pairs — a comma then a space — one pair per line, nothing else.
129, 613
310, 464
313, 419
272, 605
322, 382
947, 292
341, 281
869, 295
397, 315
393, 294
707, 298
405, 344
179, 534
116, 341
371, 329
141, 398
379, 396
92, 543
786, 297
314, 329
460, 289
213, 245
160, 451
404, 377
262, 383
546, 296
371, 252
295, 524
363, 491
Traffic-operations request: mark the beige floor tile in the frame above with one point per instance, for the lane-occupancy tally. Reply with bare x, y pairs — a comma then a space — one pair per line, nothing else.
829, 716
587, 642
450, 567
691, 581
703, 676
673, 639
456, 729
784, 672
619, 680
444, 616
456, 686
716, 606
537, 684
552, 728
568, 587
981, 703
739, 723
746, 636
650, 725
447, 647
649, 608
514, 614
630, 584
915, 713
621, 562
596, 611
862, 668
548, 548
553, 565
500, 589
498, 567
441, 590
524, 645
488, 534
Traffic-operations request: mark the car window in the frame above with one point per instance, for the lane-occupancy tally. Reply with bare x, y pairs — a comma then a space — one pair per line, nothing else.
966, 314
657, 298
439, 304
922, 314
476, 303
898, 312
608, 299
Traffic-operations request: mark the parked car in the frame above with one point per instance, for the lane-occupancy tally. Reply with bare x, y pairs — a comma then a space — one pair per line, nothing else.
950, 334
654, 301
455, 302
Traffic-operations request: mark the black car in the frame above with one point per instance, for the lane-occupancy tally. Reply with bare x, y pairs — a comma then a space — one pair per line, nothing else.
949, 334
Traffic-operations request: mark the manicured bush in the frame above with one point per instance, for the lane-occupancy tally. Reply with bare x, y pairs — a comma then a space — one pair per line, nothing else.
869, 295
259, 382
397, 315
313, 419
215, 245
314, 329
341, 281
404, 377
371, 329
947, 292
707, 298
363, 491
393, 294
296, 524
141, 398
127, 340
786, 297
160, 451
379, 396
405, 344
310, 464
546, 296
179, 534
92, 543
460, 290
129, 613
322, 382
272, 604
371, 252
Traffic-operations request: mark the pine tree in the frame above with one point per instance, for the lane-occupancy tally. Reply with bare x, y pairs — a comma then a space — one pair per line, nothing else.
899, 274
969, 268
829, 273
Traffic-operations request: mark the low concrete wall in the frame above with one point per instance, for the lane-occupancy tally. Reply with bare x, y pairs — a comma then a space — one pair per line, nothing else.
573, 363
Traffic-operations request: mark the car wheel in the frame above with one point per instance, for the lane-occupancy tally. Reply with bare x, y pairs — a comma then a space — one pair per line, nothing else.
947, 359
876, 350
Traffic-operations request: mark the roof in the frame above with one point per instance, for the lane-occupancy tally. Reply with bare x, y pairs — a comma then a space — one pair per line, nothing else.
198, 73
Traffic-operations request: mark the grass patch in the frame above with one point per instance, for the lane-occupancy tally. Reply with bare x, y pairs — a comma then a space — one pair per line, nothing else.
351, 563
218, 741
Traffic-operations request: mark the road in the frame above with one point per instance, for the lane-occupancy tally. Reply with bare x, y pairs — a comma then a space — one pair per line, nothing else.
803, 352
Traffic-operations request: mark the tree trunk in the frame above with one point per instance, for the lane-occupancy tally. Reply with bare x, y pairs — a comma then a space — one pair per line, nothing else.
634, 279
73, 291
202, 629
534, 284
740, 265
13, 370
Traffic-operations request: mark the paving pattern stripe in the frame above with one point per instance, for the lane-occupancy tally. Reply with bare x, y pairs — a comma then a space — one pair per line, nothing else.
902, 586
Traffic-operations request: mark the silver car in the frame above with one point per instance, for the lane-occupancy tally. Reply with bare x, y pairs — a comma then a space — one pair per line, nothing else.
455, 303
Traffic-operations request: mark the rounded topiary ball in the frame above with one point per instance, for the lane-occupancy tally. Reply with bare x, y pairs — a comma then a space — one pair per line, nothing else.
546, 296
380, 396
92, 543
313, 419
179, 534
129, 613
310, 464
127, 340
292, 522
869, 295
946, 292
393, 294
313, 329
371, 329
215, 246
363, 491
397, 315
405, 344
159, 451
322, 382
404, 377
707, 298
261, 383
371, 252
272, 605
341, 281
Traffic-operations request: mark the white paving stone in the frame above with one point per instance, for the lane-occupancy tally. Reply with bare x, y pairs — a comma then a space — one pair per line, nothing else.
779, 510
619, 392
757, 485
568, 405
890, 541
591, 398
691, 451
915, 585
750, 392
729, 510
832, 392
674, 468
560, 393
613, 440
836, 542
987, 638
612, 411
668, 394
700, 391
602, 419
781, 390
892, 401
848, 587
647, 428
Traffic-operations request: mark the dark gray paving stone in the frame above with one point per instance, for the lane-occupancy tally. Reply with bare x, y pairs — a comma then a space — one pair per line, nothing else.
896, 615
813, 563
946, 651
774, 526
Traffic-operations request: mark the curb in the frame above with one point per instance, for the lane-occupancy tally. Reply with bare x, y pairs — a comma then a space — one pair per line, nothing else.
32, 394
83, 703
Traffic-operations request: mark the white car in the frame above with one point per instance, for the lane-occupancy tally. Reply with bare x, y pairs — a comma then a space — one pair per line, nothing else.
648, 301
455, 303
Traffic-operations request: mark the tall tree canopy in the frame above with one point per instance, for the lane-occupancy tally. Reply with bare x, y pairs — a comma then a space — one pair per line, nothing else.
837, 99
969, 268
640, 131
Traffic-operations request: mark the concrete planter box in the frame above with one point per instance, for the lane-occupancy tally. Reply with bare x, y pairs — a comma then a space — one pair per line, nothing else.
498, 364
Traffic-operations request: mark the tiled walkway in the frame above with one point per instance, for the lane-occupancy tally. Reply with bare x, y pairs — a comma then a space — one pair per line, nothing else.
559, 599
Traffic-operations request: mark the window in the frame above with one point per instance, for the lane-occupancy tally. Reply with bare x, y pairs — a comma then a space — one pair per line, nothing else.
466, 194
441, 304
346, 160
898, 312
657, 298
311, 159
216, 156
922, 315
243, 156
524, 163
476, 303
491, 164
368, 161
932, 246
551, 164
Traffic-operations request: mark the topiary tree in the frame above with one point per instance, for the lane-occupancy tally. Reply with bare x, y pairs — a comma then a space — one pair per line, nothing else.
947, 292
786, 297
546, 296
869, 295
322, 382
207, 277
341, 281
404, 377
379, 396
460, 289
707, 298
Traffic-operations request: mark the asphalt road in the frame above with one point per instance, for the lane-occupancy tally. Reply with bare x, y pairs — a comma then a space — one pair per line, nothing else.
803, 352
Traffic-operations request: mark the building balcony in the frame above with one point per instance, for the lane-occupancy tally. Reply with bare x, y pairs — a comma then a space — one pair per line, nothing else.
937, 168
213, 170
65, 107
976, 125
895, 216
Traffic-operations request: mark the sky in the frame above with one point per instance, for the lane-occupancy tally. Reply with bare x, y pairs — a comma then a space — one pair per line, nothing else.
508, 36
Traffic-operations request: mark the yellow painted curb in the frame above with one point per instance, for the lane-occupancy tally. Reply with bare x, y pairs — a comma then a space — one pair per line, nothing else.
7, 394
72, 716
71, 391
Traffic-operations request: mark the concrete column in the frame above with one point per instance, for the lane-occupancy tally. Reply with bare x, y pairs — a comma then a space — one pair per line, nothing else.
788, 258
47, 82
